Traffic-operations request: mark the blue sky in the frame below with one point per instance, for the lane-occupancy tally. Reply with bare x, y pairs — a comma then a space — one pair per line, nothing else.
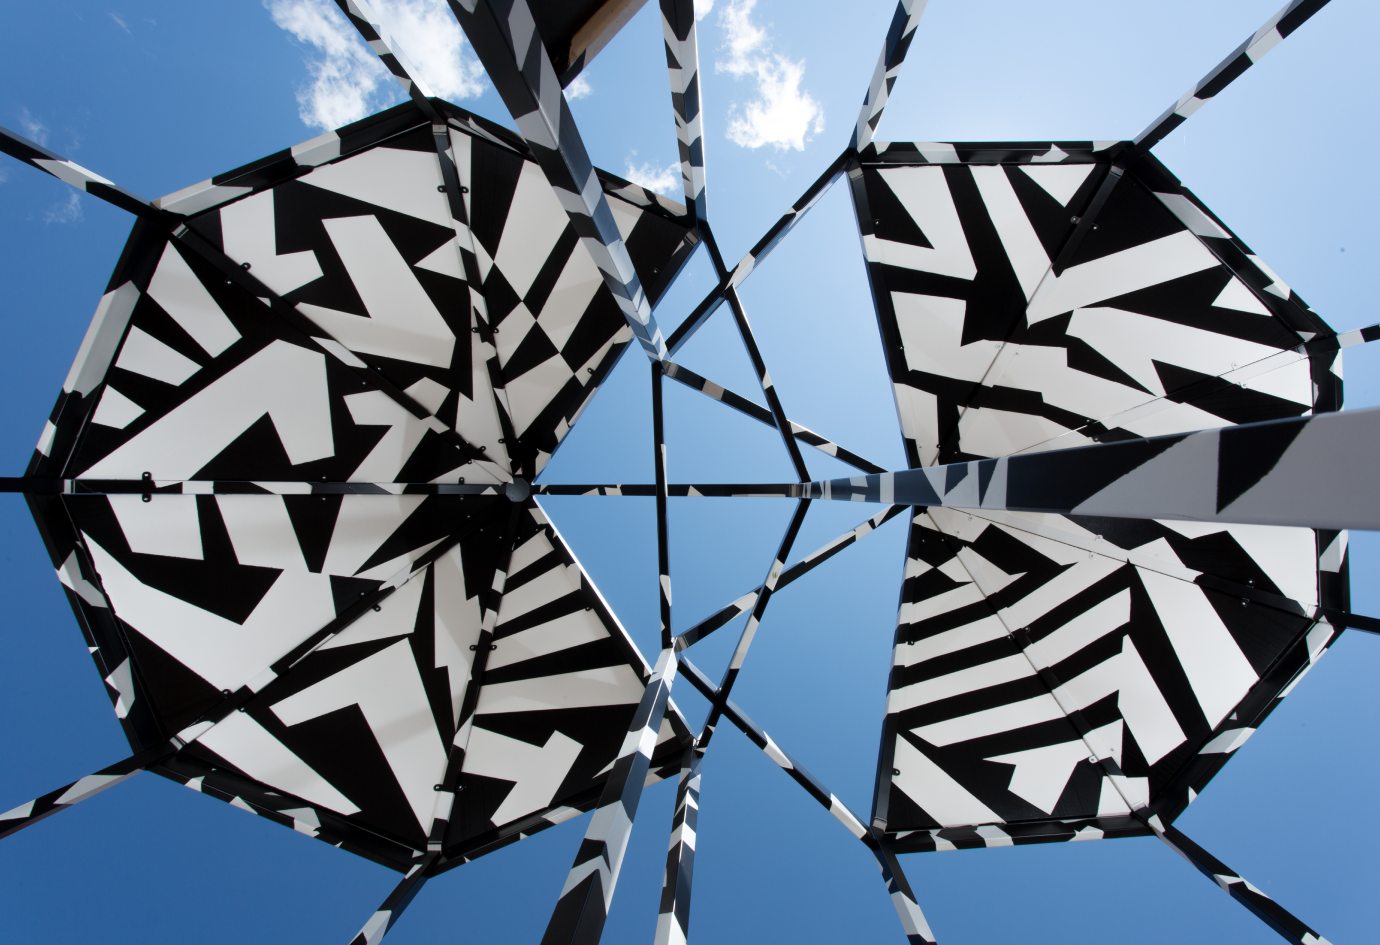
158, 95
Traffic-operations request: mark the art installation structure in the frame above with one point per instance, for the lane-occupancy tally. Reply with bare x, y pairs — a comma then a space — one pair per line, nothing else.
287, 483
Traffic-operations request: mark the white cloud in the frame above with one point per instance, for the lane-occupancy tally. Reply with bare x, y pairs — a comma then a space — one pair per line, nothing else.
4, 174
348, 81
68, 211
664, 180
35, 129
702, 8
431, 36
120, 21
782, 115
580, 88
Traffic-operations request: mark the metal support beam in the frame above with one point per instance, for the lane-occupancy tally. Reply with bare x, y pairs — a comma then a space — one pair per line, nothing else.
663, 544
380, 39
39, 157
898, 37
912, 919
1289, 926
902, 897
683, 66
1290, 18
783, 425
731, 280
673, 919
1309, 471
762, 415
387, 914
583, 906
46, 805
505, 37
1353, 621
516, 491
759, 609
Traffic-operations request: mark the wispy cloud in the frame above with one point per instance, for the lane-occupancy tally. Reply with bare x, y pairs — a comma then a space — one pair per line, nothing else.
431, 36
783, 115
580, 88
702, 8
68, 211
35, 129
4, 174
347, 79
664, 180
119, 21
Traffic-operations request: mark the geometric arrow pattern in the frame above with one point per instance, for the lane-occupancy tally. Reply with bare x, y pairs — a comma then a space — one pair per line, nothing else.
275, 482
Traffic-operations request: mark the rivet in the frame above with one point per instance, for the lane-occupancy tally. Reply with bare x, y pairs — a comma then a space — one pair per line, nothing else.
895, 772
378, 607
244, 266
464, 190
440, 188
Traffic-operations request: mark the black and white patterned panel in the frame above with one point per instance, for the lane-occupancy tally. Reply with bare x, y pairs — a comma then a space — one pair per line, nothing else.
365, 247
559, 691
1145, 332
182, 376
363, 725
1126, 616
211, 590
208, 590
557, 328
